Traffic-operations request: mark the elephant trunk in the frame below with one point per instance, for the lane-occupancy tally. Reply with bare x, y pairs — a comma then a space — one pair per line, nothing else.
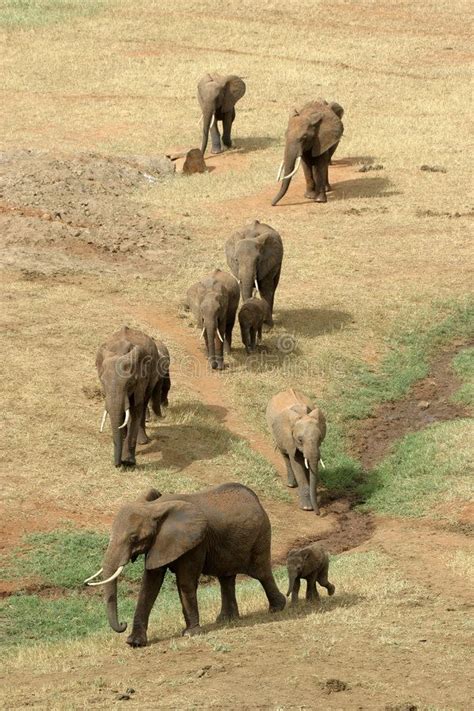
292, 575
291, 156
207, 116
313, 461
111, 564
210, 334
117, 408
248, 281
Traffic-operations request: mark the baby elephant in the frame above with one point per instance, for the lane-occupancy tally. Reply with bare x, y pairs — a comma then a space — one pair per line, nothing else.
252, 315
311, 563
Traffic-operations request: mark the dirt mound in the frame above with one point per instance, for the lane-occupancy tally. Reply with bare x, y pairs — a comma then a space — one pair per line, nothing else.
427, 401
83, 205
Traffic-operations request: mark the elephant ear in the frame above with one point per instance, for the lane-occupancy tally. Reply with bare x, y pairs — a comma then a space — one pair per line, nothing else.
320, 419
181, 527
282, 427
233, 91
149, 495
337, 108
329, 130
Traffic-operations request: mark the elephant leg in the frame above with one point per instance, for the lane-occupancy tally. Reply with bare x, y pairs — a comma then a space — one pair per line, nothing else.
188, 569
330, 154
151, 584
130, 443
259, 334
323, 580
253, 339
142, 437
215, 138
320, 171
267, 291
303, 486
310, 192
227, 121
295, 591
229, 607
312, 594
291, 481
276, 600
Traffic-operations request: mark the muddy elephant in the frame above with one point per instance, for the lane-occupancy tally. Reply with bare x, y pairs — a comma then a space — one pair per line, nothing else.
254, 255
133, 370
312, 564
213, 302
222, 531
217, 96
312, 136
299, 428
252, 315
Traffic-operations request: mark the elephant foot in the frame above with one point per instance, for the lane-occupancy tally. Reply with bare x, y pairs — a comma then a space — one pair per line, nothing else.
227, 617
331, 589
215, 151
137, 639
321, 198
328, 188
143, 438
278, 604
310, 195
129, 462
191, 631
292, 484
305, 505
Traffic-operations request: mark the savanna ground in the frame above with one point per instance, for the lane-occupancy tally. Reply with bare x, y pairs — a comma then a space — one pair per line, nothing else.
373, 318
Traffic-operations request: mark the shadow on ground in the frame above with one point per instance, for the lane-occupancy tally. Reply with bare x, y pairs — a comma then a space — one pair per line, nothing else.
313, 322
248, 144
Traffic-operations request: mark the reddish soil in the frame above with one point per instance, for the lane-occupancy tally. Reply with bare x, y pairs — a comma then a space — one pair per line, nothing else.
428, 401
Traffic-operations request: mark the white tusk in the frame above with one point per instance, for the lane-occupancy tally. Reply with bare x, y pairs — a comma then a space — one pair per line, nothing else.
256, 285
297, 165
322, 463
203, 332
112, 577
306, 463
104, 417
212, 121
279, 171
219, 335
93, 576
125, 422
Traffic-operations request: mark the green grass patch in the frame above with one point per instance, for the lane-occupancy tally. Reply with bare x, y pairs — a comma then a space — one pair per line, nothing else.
463, 366
426, 468
407, 362
25, 14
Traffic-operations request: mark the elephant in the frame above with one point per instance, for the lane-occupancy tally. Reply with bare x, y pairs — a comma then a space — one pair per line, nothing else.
254, 255
217, 96
222, 531
312, 136
133, 370
252, 314
312, 564
299, 428
214, 302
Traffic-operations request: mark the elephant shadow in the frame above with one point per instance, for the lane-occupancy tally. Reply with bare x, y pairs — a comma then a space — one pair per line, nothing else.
314, 322
181, 444
374, 187
249, 144
354, 160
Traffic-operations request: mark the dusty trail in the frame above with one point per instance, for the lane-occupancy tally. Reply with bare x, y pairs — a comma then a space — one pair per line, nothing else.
289, 523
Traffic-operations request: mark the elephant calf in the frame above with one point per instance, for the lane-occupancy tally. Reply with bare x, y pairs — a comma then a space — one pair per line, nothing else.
299, 427
312, 564
217, 96
252, 315
214, 302
133, 370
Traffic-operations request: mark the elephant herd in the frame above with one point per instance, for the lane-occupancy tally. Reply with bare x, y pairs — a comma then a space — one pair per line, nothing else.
222, 531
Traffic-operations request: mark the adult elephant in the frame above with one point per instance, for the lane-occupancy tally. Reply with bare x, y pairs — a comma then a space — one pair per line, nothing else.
222, 531
214, 302
299, 428
217, 97
254, 255
133, 370
312, 136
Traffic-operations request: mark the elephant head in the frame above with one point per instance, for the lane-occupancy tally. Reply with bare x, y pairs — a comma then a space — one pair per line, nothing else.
313, 130
296, 563
122, 373
217, 97
303, 430
249, 255
161, 530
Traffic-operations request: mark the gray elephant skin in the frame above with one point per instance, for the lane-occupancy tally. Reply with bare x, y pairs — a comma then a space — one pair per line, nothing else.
217, 96
213, 302
254, 255
312, 564
298, 427
133, 370
312, 136
222, 531
252, 315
